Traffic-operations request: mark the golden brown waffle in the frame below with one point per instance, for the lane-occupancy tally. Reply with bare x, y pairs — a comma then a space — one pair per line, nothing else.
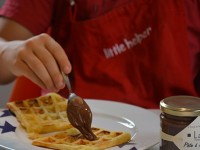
43, 114
47, 114
72, 139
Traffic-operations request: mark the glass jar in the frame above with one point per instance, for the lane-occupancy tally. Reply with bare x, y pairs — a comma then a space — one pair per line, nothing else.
177, 114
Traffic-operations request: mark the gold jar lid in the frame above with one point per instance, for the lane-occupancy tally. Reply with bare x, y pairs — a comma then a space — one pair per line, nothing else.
181, 105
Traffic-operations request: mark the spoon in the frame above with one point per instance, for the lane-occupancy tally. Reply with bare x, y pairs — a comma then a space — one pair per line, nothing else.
79, 113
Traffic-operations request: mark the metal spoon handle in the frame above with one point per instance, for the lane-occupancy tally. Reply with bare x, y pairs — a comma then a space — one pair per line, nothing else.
66, 78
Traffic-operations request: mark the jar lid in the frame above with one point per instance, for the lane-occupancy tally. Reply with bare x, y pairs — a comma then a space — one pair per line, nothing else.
181, 105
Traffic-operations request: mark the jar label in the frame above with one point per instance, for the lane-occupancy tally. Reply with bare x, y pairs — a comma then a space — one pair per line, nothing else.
188, 138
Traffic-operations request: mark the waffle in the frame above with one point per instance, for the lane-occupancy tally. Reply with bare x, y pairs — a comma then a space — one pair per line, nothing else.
72, 139
45, 120
44, 114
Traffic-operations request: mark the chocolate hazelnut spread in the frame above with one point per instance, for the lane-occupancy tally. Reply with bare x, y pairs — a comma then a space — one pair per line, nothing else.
178, 112
80, 117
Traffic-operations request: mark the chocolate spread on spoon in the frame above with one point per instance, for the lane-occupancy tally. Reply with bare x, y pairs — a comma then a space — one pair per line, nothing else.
80, 116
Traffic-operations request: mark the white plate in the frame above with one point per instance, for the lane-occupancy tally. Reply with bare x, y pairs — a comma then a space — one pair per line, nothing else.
142, 124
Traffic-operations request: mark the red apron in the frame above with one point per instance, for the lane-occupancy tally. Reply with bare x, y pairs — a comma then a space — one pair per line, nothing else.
24, 89
137, 54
